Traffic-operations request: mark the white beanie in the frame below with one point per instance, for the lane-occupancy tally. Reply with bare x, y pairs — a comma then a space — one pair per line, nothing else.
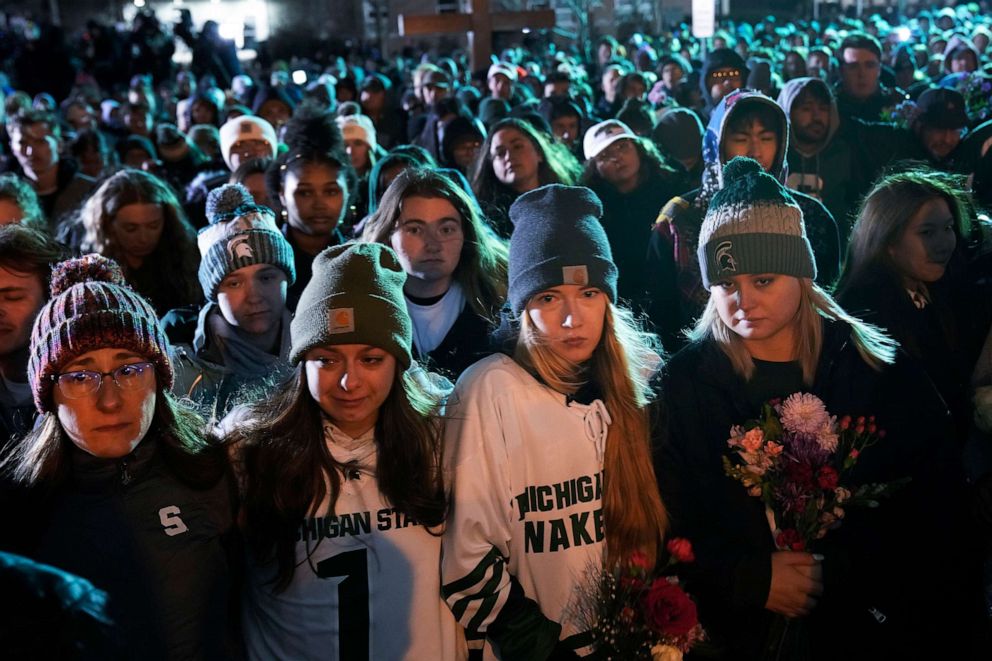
246, 127
358, 127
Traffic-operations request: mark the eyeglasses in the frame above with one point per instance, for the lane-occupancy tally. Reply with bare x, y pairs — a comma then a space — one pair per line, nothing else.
78, 384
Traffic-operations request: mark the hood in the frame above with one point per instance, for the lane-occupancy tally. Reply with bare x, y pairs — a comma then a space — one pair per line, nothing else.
791, 92
717, 59
956, 42
713, 139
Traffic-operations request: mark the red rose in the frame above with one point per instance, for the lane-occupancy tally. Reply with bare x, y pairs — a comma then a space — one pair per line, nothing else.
668, 610
681, 549
827, 478
845, 422
790, 540
639, 560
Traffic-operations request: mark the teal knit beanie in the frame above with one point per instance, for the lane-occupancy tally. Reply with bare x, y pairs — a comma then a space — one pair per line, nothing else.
753, 225
354, 297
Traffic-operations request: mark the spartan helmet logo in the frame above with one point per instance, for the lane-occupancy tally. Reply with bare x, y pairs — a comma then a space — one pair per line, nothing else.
725, 260
238, 248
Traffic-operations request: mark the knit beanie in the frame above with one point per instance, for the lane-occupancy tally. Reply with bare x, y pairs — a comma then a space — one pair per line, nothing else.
753, 225
558, 240
241, 233
358, 127
354, 297
91, 308
246, 127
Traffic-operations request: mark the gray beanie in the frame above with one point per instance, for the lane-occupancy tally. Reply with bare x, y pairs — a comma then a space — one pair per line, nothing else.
354, 297
558, 240
753, 225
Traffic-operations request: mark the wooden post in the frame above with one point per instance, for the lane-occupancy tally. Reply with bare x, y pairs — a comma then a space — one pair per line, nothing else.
479, 23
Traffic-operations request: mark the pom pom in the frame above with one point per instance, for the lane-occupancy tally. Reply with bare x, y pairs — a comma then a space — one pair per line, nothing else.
741, 166
227, 199
88, 268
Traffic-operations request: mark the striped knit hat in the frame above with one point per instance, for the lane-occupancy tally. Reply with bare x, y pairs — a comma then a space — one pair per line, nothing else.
92, 308
753, 225
240, 234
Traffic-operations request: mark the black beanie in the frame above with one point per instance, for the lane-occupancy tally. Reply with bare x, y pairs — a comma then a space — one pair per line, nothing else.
354, 297
558, 240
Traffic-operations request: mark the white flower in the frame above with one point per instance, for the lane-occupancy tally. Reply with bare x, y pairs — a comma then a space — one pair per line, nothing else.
804, 413
665, 653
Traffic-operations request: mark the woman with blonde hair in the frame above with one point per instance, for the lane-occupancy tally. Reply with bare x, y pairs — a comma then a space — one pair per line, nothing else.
514, 159
455, 265
135, 219
767, 332
565, 411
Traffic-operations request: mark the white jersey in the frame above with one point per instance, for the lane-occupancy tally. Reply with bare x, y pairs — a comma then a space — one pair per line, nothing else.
366, 585
526, 507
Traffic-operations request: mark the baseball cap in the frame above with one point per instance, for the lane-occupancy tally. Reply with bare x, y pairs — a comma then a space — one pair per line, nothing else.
602, 135
504, 68
942, 108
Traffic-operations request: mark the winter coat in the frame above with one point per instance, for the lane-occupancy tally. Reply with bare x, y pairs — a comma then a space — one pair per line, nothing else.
880, 599
205, 374
466, 343
628, 219
675, 291
871, 109
303, 264
156, 545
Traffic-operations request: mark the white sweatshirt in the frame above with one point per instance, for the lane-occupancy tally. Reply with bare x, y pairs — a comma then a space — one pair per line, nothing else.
366, 585
526, 507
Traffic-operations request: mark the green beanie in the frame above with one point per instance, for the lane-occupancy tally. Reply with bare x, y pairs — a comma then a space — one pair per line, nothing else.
354, 297
753, 225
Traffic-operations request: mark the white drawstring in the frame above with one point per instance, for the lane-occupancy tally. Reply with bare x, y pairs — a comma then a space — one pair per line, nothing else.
597, 422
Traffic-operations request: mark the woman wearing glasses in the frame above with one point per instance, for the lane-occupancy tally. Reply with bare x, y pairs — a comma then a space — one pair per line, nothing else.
123, 488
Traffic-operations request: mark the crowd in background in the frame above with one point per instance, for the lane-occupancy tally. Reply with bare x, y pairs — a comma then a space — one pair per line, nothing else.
224, 209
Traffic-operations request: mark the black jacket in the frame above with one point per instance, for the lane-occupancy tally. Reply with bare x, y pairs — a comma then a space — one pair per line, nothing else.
466, 343
878, 565
156, 545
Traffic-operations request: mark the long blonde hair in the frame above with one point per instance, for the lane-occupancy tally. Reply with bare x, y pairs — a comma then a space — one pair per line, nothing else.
621, 365
875, 347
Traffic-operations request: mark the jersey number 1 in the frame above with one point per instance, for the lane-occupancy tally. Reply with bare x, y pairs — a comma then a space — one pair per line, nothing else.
353, 602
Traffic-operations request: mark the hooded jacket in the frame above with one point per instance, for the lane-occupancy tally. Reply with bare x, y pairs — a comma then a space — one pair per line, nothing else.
675, 290
719, 59
831, 172
218, 364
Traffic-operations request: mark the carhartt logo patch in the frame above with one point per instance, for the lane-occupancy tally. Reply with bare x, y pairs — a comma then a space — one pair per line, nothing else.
238, 248
342, 320
575, 275
725, 260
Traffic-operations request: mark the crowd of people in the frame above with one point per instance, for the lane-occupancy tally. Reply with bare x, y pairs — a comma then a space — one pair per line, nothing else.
385, 364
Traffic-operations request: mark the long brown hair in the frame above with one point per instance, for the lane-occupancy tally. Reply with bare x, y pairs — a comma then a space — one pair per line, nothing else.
287, 470
176, 253
481, 270
621, 365
557, 165
41, 457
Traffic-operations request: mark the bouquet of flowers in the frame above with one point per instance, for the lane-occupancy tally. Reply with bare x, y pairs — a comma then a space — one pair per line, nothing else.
976, 90
638, 612
795, 459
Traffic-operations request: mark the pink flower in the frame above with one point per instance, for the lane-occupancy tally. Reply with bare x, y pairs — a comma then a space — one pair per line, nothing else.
681, 549
827, 478
773, 449
753, 439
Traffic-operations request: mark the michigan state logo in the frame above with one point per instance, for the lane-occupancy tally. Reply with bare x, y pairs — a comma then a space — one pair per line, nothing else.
239, 248
725, 260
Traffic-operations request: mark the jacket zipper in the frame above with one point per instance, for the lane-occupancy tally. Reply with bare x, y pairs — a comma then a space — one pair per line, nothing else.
125, 474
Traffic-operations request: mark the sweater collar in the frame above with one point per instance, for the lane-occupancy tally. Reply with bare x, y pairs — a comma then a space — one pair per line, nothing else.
91, 473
